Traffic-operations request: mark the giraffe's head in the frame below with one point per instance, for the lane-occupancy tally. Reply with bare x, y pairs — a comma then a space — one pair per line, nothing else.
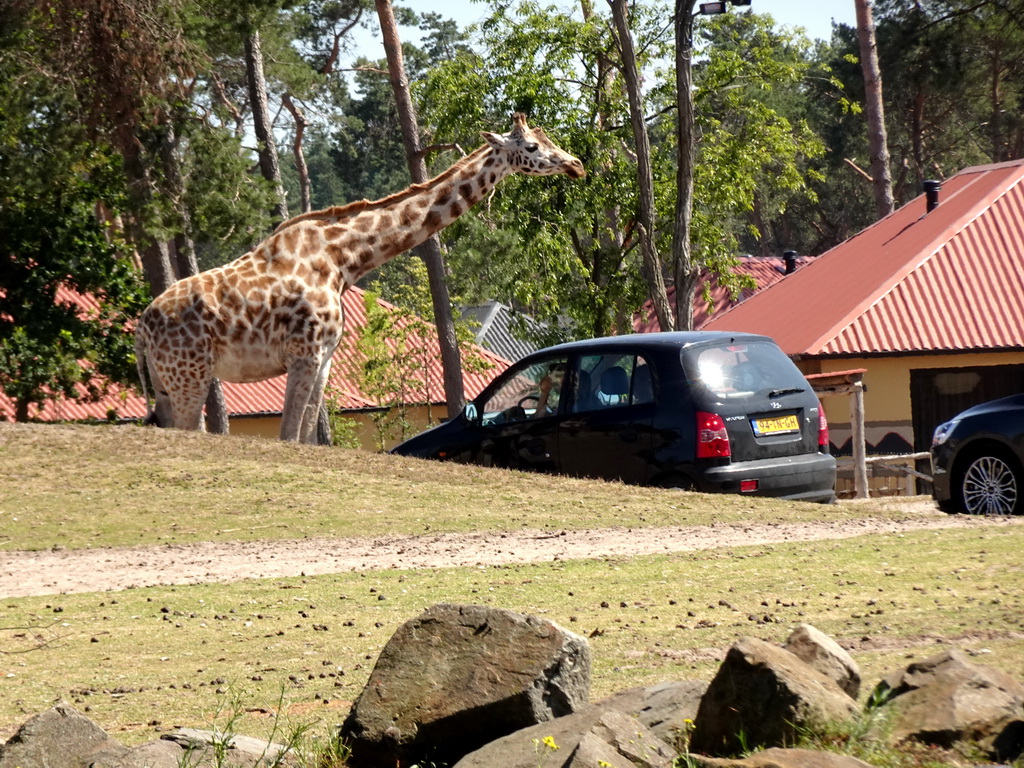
529, 150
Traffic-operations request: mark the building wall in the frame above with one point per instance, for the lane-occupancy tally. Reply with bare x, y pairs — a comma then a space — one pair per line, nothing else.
887, 407
364, 428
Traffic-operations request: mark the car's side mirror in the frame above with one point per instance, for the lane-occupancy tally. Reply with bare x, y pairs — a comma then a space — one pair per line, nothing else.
470, 413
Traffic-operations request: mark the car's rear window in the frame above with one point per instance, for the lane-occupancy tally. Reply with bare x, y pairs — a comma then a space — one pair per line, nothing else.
742, 369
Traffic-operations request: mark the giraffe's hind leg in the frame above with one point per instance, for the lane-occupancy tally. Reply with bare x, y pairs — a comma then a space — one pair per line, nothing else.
163, 413
185, 396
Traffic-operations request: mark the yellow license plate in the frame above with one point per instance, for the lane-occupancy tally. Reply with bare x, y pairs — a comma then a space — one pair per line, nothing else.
779, 425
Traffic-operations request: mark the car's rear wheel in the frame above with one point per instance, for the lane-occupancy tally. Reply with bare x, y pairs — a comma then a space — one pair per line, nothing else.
991, 484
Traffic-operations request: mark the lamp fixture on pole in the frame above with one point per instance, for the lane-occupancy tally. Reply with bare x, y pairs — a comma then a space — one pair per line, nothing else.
712, 9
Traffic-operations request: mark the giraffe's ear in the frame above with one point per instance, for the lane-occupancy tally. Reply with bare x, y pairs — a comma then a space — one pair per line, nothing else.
496, 140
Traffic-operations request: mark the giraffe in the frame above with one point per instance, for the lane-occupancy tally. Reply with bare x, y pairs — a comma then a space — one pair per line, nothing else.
278, 309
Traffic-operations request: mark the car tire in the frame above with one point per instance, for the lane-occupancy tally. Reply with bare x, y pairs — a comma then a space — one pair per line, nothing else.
991, 483
676, 483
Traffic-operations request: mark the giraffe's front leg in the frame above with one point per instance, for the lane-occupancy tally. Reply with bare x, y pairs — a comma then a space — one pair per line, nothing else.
316, 398
302, 376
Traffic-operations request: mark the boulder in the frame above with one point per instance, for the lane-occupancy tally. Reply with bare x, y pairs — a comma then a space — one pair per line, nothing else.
592, 751
630, 739
814, 647
663, 708
194, 748
241, 749
948, 698
582, 740
154, 754
60, 737
778, 757
760, 697
459, 676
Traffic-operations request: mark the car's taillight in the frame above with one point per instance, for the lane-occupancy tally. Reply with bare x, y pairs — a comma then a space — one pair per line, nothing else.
822, 430
712, 439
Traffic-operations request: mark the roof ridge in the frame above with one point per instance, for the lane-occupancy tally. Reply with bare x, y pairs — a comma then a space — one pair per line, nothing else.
494, 308
947, 234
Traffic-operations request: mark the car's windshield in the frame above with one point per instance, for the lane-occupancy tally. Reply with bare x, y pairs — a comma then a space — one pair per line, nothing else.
743, 369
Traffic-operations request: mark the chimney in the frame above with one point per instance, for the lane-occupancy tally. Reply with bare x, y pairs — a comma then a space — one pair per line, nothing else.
789, 258
931, 195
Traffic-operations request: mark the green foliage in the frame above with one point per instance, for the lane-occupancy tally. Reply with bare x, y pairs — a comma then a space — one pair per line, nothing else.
954, 76
343, 429
396, 362
53, 183
573, 252
399, 347
228, 205
756, 146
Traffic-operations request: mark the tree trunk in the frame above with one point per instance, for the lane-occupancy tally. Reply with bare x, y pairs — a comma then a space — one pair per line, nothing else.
429, 251
155, 256
269, 165
878, 145
683, 270
305, 189
185, 260
645, 177
323, 422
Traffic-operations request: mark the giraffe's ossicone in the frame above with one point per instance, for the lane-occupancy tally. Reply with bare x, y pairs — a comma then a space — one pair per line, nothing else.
278, 308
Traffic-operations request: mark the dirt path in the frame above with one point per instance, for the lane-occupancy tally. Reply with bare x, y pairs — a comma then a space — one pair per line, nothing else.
55, 572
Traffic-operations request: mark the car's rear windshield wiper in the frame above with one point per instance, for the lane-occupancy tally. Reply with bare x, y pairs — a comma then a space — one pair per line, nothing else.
790, 391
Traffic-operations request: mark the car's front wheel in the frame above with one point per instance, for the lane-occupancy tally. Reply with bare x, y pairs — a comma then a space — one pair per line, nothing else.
992, 485
676, 482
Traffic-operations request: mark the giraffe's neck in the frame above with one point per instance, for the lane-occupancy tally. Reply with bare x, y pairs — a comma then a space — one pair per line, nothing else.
362, 236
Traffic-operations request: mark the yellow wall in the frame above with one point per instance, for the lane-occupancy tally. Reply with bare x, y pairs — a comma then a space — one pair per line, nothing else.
418, 416
887, 394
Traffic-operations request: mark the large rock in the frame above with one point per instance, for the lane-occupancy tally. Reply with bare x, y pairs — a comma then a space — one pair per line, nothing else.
777, 757
624, 741
61, 737
663, 708
760, 697
582, 740
826, 655
659, 709
459, 676
194, 748
948, 698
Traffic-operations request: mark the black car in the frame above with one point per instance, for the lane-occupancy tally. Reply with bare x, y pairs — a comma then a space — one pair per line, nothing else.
977, 459
710, 411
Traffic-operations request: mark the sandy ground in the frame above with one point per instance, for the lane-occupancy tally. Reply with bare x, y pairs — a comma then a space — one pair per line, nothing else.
68, 571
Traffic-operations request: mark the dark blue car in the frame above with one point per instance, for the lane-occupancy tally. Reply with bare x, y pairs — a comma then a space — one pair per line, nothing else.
707, 411
977, 459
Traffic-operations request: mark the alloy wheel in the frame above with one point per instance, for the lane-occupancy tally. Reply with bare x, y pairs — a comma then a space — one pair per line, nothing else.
990, 487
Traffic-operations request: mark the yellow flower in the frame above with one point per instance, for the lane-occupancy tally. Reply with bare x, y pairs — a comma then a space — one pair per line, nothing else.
549, 742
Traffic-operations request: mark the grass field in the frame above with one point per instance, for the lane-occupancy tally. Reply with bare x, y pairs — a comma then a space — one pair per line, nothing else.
75, 487
143, 661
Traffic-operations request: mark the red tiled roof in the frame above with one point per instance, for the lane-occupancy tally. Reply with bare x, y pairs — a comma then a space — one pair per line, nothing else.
948, 280
267, 397
764, 270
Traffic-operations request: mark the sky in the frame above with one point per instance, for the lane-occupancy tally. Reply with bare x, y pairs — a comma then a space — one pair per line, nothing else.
815, 16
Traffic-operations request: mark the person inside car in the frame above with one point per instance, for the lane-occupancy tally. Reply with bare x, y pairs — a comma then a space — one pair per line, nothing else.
550, 390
